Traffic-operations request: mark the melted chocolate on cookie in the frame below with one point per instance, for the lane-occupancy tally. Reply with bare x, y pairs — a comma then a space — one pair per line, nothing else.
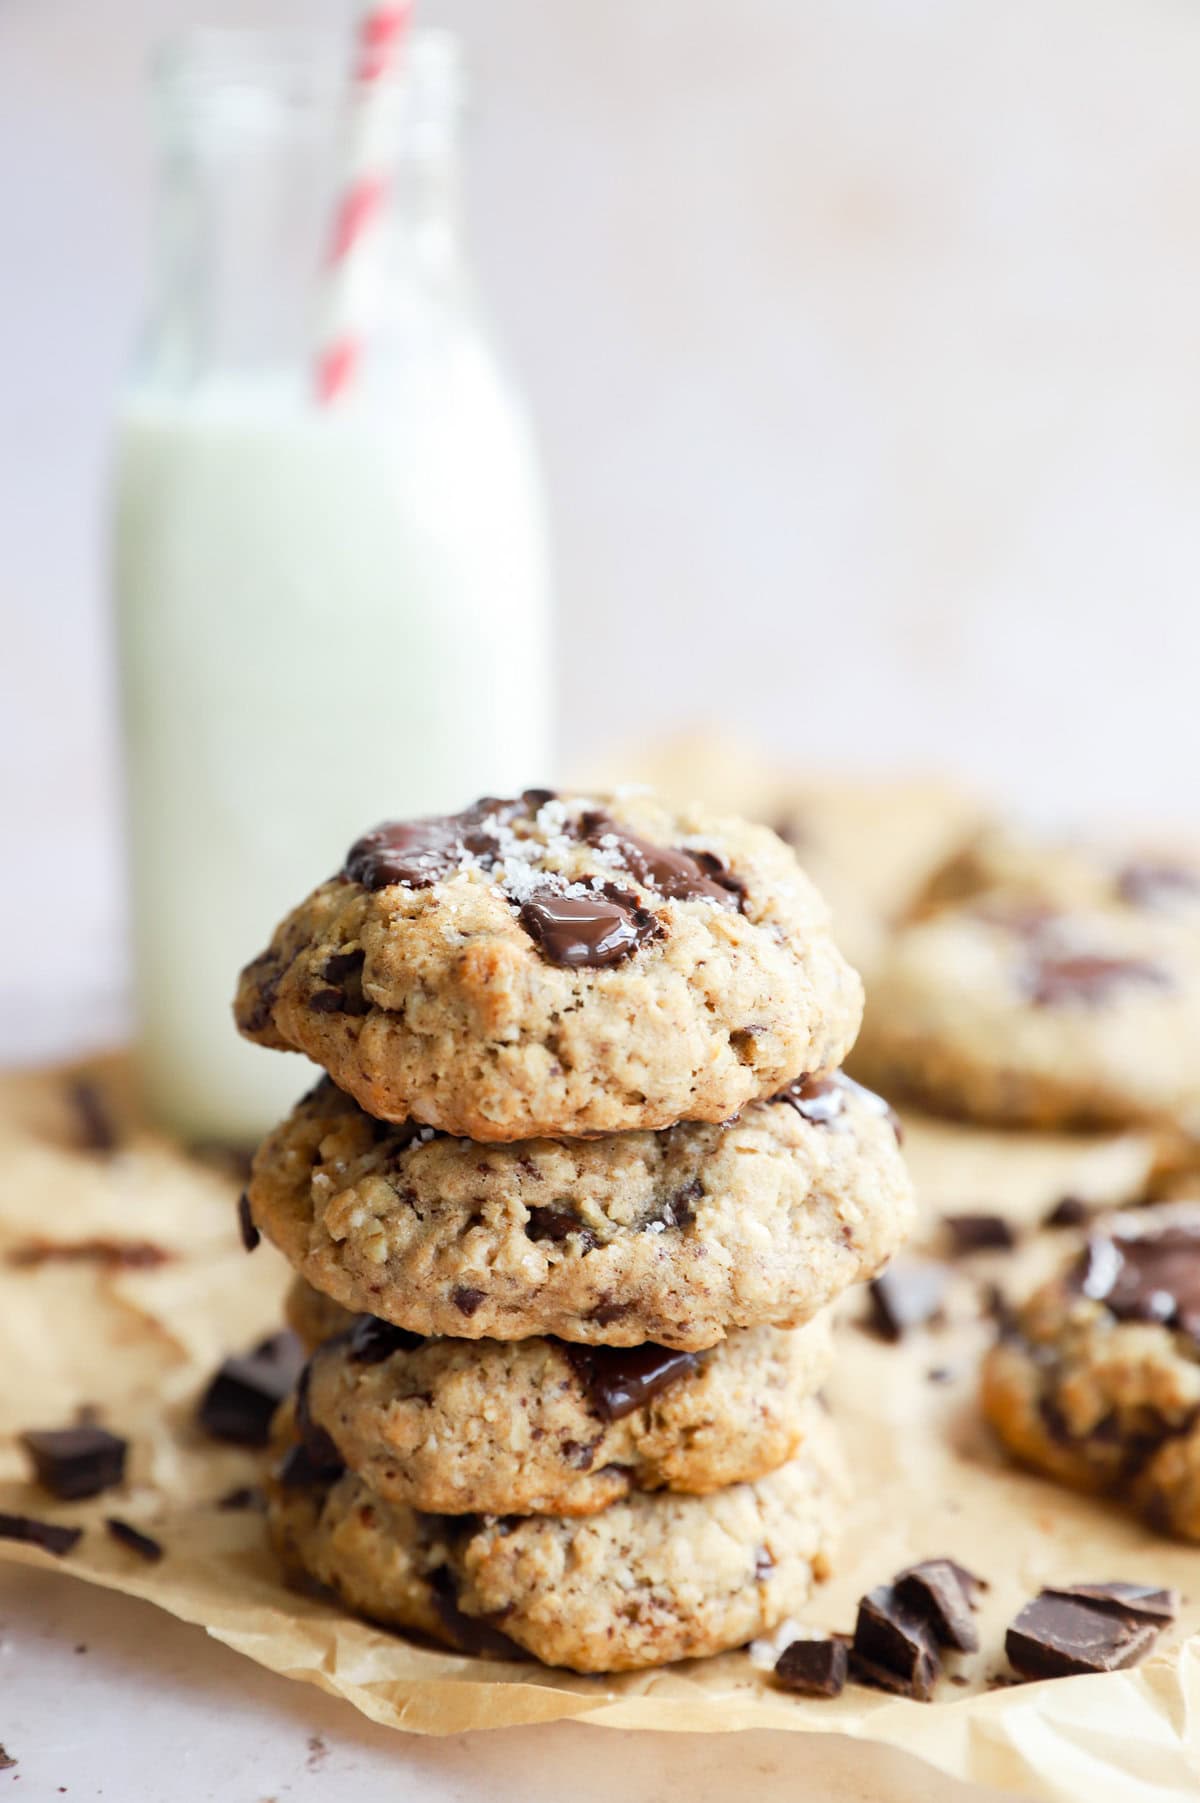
1087, 977
1155, 1278
823, 1100
619, 1379
679, 875
419, 853
589, 931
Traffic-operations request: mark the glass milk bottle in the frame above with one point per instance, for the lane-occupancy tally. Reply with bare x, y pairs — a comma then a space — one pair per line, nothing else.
326, 614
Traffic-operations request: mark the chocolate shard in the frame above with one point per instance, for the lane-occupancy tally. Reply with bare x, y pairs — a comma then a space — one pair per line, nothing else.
249, 1232
1143, 1602
619, 1379
909, 1294
893, 1637
1070, 1211
918, 1684
978, 1233
1058, 1637
814, 1668
144, 1545
944, 1593
51, 1536
74, 1462
245, 1392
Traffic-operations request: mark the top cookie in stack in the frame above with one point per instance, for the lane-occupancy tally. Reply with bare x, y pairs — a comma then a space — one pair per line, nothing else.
559, 967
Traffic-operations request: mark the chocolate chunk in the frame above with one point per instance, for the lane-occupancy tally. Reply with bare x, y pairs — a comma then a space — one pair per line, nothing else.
720, 873
1069, 1211
1088, 978
943, 1592
74, 1462
419, 853
979, 1233
250, 1234
466, 1300
371, 1340
241, 1399
110, 1255
342, 965
1155, 1277
619, 1379
1056, 1636
679, 1210
49, 1535
298, 1470
467, 1632
97, 1131
142, 1544
823, 1100
907, 1295
605, 1313
328, 1001
1145, 883
815, 1668
7, 1762
264, 975
322, 1460
675, 874
1141, 1602
894, 1644
590, 931
556, 1222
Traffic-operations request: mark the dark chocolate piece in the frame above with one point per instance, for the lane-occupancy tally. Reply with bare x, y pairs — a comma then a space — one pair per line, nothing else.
1070, 1211
918, 1683
297, 1469
1088, 978
143, 1545
590, 931
675, 874
371, 1340
7, 1761
605, 1313
467, 1632
944, 1593
909, 1294
892, 1636
979, 1233
321, 1454
679, 1211
97, 1131
467, 1300
249, 1232
619, 1379
74, 1462
815, 1668
51, 1536
245, 1392
823, 1100
1155, 1277
1143, 1602
556, 1222
1056, 1637
419, 853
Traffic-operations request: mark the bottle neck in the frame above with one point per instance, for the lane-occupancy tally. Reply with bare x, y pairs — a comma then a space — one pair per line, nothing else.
250, 174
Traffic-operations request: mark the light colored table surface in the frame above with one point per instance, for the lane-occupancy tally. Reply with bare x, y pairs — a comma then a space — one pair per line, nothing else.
154, 1712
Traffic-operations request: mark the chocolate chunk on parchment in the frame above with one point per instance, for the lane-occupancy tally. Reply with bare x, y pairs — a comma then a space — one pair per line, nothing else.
74, 1462
144, 1545
908, 1295
619, 1379
1058, 1637
1144, 1602
814, 1668
944, 1593
892, 1637
51, 1536
245, 1392
968, 1233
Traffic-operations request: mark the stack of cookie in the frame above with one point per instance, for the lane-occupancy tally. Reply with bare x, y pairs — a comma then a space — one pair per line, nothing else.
567, 1215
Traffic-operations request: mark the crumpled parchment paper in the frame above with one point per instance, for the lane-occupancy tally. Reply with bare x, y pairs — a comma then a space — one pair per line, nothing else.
84, 1321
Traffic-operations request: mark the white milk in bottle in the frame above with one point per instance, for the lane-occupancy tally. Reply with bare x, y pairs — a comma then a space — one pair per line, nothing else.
326, 615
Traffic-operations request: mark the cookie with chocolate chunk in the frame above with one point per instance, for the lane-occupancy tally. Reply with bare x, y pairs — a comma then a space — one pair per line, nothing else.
1023, 1014
644, 1582
558, 966
673, 1237
539, 1426
1096, 1380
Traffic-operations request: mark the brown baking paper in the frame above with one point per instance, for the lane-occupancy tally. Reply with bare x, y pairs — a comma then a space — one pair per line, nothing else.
137, 1340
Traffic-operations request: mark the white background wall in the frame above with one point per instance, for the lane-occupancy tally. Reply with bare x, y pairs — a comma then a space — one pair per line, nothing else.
863, 338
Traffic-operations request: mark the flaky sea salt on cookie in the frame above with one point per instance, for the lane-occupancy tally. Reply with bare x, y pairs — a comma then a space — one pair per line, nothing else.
558, 965
674, 1237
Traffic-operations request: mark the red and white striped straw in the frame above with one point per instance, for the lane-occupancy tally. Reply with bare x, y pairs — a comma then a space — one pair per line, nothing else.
370, 154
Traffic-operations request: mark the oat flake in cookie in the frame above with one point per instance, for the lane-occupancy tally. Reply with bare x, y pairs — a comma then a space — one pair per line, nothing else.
672, 1237
1097, 1380
559, 966
644, 1582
